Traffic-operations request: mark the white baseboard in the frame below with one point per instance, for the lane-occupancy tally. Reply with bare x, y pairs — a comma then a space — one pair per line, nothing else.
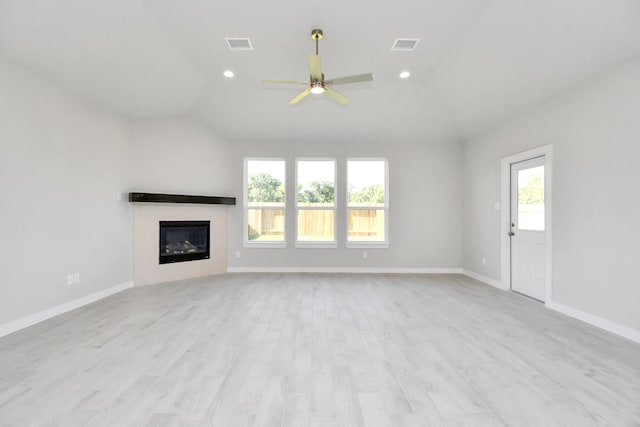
484, 279
343, 270
27, 321
594, 320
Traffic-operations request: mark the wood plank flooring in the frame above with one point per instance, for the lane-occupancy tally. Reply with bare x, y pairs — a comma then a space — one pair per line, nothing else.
318, 350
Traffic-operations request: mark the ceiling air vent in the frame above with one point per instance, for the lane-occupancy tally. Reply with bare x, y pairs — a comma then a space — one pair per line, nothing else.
405, 44
236, 43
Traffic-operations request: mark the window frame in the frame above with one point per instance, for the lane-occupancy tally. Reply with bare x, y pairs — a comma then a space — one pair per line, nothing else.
367, 244
328, 244
245, 237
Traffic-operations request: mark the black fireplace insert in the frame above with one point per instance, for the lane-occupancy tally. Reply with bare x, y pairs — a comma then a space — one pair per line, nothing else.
182, 241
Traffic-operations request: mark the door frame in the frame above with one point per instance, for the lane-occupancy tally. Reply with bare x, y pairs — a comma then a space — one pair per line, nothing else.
505, 217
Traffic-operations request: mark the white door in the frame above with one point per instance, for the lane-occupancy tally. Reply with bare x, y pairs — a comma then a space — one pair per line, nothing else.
528, 228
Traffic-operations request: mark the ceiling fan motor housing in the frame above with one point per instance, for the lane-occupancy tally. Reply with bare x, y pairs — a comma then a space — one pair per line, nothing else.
317, 82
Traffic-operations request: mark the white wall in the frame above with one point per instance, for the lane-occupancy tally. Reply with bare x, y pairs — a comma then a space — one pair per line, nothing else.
177, 156
63, 161
424, 213
595, 132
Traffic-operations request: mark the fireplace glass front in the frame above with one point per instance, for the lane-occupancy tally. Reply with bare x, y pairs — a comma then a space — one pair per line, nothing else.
182, 241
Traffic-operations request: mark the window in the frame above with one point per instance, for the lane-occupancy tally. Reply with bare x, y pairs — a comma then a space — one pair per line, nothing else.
315, 202
367, 201
265, 201
363, 219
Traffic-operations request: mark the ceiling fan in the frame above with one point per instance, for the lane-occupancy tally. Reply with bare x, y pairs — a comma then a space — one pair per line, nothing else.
317, 83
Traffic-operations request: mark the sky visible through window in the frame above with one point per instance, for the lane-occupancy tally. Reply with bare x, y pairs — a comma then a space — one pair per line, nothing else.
316, 170
275, 168
364, 173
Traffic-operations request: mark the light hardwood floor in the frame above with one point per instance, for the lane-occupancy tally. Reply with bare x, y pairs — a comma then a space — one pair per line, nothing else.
318, 350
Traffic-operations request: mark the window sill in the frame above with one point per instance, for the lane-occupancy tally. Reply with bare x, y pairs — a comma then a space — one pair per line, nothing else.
265, 245
313, 245
367, 245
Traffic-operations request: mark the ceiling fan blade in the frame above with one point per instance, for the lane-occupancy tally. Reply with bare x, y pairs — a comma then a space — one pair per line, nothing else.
315, 67
350, 79
288, 82
337, 96
299, 97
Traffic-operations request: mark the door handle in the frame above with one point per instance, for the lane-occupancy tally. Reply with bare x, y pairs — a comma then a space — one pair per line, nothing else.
511, 234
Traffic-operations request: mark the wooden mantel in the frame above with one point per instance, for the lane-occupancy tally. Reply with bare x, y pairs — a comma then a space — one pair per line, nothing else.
180, 198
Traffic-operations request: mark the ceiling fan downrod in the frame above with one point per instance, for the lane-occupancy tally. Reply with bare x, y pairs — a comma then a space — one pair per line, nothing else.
316, 35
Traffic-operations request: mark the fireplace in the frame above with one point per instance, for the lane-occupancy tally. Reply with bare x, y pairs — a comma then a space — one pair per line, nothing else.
182, 241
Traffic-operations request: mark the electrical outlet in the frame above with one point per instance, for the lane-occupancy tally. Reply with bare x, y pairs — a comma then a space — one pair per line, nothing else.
73, 278
364, 254
484, 261
237, 254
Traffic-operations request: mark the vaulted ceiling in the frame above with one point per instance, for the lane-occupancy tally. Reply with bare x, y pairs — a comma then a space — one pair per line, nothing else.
478, 62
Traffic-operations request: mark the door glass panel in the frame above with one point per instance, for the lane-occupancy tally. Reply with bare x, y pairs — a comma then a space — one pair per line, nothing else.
531, 199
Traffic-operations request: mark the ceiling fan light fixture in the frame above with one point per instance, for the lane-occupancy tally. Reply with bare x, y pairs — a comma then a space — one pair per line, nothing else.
317, 88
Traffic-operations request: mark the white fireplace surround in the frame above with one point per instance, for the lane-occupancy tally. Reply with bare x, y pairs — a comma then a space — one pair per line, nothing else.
146, 268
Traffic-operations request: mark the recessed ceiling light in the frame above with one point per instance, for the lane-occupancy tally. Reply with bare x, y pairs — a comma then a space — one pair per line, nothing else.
228, 74
404, 74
